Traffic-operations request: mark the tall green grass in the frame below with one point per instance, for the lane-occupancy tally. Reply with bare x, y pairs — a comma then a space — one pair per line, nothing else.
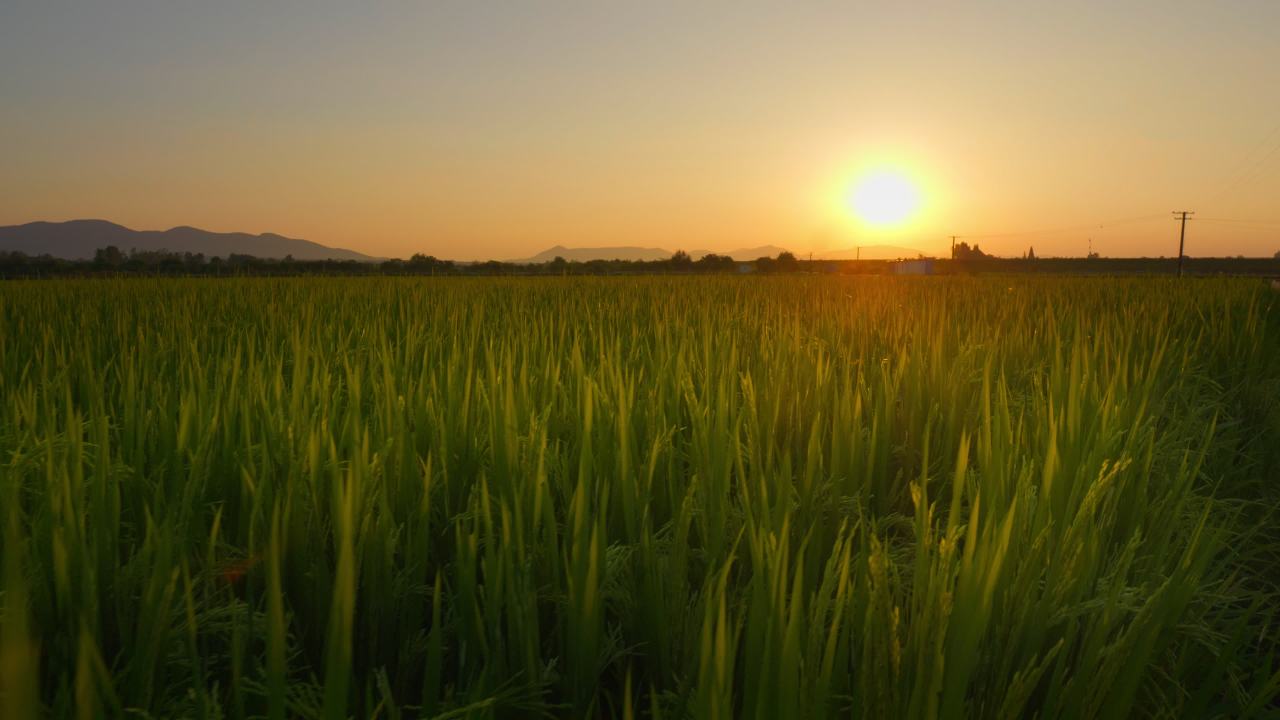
643, 497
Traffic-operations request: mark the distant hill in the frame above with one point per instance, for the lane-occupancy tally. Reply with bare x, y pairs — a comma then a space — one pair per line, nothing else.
754, 253
598, 253
78, 239
871, 252
628, 252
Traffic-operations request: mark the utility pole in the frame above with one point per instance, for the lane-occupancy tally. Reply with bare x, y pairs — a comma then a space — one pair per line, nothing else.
857, 252
1182, 235
953, 246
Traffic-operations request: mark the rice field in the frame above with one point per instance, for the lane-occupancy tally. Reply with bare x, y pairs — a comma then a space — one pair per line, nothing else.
763, 497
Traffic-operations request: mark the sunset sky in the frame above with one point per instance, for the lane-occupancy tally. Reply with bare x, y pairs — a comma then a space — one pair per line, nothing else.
495, 130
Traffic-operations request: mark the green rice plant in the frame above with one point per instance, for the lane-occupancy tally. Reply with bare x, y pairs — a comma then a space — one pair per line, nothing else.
654, 497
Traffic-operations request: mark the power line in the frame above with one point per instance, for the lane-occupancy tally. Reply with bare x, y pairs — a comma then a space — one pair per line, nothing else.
1073, 228
1181, 215
1256, 160
1264, 223
1123, 221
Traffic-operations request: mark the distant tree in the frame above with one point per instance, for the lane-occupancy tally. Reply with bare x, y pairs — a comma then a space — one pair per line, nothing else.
12, 262
108, 257
1031, 253
786, 262
558, 265
712, 262
600, 266
1278, 254
420, 263
681, 260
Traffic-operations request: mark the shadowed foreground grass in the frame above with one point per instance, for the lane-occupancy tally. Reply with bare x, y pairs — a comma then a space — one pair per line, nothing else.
645, 497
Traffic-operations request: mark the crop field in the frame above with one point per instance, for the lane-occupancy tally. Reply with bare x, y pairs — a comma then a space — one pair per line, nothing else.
662, 497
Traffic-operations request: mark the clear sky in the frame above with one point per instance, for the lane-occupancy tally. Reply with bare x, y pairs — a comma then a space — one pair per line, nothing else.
477, 130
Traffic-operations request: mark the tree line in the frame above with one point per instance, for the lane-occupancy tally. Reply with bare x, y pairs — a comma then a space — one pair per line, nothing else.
111, 261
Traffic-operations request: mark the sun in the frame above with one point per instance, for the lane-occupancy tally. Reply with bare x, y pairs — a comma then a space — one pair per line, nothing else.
884, 199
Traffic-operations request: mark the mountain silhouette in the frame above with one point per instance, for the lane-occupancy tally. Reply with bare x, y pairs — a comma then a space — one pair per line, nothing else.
870, 252
752, 253
78, 239
631, 252
584, 254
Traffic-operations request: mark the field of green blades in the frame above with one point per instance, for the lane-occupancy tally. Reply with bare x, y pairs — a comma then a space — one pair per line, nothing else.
655, 497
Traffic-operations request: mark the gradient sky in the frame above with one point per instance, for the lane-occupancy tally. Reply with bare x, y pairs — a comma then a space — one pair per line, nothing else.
478, 130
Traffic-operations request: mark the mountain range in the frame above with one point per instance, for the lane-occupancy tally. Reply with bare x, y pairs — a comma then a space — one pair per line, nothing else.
631, 252
585, 254
869, 252
78, 239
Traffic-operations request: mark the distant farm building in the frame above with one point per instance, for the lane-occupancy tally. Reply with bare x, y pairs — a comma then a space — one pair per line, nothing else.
923, 266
